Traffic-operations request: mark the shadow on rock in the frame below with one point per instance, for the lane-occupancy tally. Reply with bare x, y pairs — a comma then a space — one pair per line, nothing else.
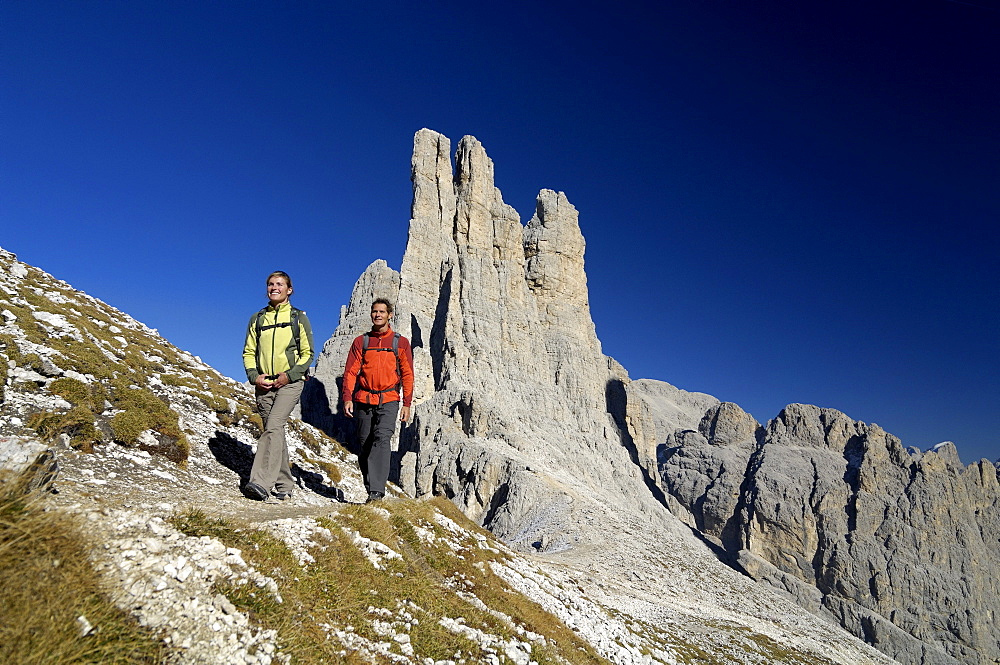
237, 456
233, 454
616, 399
319, 412
314, 482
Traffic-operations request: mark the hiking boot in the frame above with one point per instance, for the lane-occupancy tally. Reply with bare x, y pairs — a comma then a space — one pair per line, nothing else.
375, 496
255, 491
282, 496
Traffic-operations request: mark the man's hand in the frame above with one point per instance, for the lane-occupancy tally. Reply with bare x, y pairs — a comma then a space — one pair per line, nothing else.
404, 414
281, 381
349, 409
263, 382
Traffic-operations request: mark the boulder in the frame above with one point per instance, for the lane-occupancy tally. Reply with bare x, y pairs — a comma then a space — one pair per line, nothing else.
27, 465
517, 410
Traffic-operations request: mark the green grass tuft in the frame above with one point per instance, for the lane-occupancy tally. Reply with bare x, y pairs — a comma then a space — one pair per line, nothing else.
77, 423
340, 586
142, 410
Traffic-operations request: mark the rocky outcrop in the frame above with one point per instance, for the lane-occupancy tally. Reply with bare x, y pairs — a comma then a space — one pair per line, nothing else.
27, 466
637, 586
654, 410
522, 421
709, 462
518, 407
899, 546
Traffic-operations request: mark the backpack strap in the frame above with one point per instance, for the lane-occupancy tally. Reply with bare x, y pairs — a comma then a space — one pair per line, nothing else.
399, 371
294, 323
295, 326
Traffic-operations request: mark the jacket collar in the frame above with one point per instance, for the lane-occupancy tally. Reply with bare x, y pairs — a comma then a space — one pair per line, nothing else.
280, 308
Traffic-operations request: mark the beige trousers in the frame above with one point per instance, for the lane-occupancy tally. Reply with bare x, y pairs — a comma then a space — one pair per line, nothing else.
270, 464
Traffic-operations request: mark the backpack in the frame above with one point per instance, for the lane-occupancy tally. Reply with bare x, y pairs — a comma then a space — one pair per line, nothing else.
399, 371
294, 323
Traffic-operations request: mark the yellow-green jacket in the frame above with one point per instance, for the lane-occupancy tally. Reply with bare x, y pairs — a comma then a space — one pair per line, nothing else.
270, 346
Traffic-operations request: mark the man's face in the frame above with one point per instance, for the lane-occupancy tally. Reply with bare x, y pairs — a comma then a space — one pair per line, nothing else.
380, 315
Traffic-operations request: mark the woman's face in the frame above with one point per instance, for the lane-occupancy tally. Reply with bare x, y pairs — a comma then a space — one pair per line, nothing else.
278, 290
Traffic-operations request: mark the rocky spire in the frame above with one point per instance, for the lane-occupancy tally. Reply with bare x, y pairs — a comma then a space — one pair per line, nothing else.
554, 247
522, 422
510, 374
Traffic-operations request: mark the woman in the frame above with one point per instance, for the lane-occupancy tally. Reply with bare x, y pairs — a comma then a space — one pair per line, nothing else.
276, 355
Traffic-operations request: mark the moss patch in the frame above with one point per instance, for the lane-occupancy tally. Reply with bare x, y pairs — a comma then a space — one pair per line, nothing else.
78, 393
77, 423
141, 411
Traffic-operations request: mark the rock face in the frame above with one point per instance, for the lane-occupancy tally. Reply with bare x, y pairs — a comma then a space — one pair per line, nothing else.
638, 587
26, 464
525, 424
654, 411
900, 547
518, 408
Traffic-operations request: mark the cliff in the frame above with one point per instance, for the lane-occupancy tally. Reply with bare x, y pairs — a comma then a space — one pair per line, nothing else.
138, 546
519, 417
535, 434
900, 546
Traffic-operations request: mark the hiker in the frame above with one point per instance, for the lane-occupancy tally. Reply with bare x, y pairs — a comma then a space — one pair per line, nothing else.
377, 376
276, 354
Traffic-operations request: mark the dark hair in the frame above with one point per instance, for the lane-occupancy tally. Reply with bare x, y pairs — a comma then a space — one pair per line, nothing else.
380, 301
282, 273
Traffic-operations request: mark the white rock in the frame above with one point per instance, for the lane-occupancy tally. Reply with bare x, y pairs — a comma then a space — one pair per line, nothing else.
54, 320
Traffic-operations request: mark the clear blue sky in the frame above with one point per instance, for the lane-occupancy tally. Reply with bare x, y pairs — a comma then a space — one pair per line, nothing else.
799, 200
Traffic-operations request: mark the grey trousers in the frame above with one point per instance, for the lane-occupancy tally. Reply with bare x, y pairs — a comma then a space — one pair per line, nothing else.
376, 424
270, 464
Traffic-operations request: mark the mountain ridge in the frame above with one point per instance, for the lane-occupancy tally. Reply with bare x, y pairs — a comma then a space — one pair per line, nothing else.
521, 419
165, 545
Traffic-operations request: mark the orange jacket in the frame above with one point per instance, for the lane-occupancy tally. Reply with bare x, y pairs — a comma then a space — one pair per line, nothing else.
374, 379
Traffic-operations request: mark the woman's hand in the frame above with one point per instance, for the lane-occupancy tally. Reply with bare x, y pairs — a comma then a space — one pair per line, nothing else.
280, 382
263, 382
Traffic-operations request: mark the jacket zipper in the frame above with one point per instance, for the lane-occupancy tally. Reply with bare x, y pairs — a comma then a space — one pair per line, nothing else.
273, 335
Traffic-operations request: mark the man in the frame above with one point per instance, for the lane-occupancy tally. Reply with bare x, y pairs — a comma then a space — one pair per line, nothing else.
377, 376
